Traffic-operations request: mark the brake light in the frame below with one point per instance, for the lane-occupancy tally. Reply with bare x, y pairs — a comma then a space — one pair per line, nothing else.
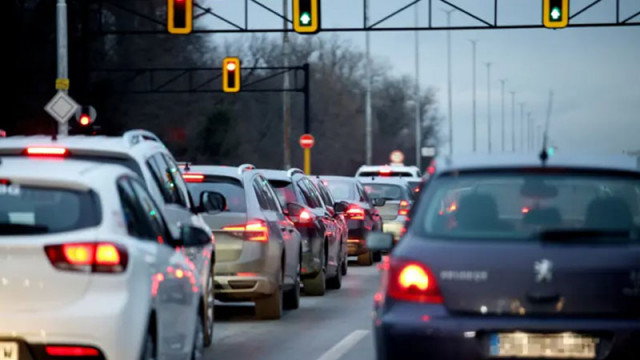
385, 172
412, 281
305, 217
71, 351
47, 151
432, 168
90, 257
525, 210
355, 212
403, 210
252, 231
193, 177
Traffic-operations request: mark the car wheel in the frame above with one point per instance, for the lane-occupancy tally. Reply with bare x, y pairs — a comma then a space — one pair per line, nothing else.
209, 310
197, 353
365, 259
292, 297
270, 308
344, 269
336, 281
149, 347
317, 285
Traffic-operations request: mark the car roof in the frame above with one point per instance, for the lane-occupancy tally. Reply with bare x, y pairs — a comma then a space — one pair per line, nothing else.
75, 173
384, 180
514, 161
279, 175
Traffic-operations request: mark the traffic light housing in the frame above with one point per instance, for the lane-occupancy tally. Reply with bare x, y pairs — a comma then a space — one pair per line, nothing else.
231, 75
555, 13
180, 16
306, 16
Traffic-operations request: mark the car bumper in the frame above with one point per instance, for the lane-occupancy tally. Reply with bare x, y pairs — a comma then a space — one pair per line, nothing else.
356, 247
96, 321
247, 279
410, 331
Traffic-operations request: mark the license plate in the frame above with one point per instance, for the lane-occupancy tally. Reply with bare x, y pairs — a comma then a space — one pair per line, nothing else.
558, 346
8, 351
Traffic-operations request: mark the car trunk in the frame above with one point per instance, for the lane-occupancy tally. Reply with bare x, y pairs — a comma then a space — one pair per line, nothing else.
390, 210
535, 278
228, 245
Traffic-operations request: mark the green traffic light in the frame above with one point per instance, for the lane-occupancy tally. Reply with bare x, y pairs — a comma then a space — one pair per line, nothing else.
556, 14
305, 18
551, 151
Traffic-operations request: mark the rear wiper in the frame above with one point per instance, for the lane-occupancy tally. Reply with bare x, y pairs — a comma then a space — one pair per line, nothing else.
22, 229
586, 236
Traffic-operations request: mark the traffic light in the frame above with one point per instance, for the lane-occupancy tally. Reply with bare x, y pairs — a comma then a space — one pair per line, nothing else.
85, 120
306, 16
231, 75
555, 13
180, 16
86, 115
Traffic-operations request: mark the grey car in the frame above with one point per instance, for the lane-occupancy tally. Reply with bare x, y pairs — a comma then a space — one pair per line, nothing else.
398, 196
258, 248
538, 259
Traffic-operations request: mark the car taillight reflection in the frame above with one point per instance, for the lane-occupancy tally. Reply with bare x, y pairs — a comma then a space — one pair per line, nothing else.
412, 281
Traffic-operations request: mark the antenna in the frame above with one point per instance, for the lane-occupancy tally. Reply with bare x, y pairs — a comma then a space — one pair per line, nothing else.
544, 155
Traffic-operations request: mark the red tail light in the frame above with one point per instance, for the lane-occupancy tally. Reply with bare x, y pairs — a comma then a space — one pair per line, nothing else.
403, 210
354, 212
432, 168
412, 281
71, 351
385, 172
93, 257
193, 177
252, 231
47, 151
305, 217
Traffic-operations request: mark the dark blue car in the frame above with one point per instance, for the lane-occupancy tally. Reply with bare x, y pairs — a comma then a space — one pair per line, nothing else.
516, 258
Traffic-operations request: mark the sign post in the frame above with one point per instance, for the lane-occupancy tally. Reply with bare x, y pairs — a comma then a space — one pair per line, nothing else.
306, 142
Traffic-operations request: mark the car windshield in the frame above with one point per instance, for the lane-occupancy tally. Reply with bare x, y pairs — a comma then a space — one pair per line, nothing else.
341, 190
517, 206
28, 210
231, 189
385, 191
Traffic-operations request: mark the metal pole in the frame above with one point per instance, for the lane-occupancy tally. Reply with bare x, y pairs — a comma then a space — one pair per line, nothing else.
522, 127
449, 96
63, 52
513, 121
286, 96
475, 131
307, 98
489, 104
502, 87
417, 94
529, 131
369, 127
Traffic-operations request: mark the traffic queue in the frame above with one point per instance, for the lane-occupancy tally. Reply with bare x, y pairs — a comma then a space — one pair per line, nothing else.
112, 249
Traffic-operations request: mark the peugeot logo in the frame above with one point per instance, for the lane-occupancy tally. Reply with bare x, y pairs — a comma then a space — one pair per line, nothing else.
543, 270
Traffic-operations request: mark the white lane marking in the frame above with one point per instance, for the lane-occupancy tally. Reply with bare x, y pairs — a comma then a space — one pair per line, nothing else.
341, 348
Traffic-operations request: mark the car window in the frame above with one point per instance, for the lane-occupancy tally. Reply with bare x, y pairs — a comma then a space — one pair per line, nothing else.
46, 210
138, 225
325, 195
262, 197
362, 194
527, 206
286, 192
230, 188
310, 194
314, 192
386, 191
273, 198
341, 189
150, 211
165, 177
181, 185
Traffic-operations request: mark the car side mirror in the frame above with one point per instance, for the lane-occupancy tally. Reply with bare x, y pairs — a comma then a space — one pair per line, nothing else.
341, 207
192, 236
379, 241
378, 202
211, 201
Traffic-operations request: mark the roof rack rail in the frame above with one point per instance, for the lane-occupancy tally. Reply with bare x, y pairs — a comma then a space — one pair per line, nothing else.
292, 171
244, 167
134, 137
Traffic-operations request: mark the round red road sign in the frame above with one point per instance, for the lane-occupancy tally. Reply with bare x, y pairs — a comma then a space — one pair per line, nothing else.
307, 141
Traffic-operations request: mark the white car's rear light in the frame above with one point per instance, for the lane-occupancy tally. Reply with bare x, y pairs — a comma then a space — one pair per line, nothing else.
88, 257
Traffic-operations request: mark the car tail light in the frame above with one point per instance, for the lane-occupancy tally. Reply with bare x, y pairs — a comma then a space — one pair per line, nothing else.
193, 177
47, 151
355, 212
412, 281
305, 218
71, 351
432, 168
403, 210
90, 257
252, 231
385, 172
525, 210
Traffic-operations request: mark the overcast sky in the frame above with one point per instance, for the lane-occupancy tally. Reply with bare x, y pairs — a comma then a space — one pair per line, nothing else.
594, 72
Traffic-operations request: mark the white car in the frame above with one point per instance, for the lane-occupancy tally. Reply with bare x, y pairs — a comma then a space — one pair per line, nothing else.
392, 170
144, 153
88, 267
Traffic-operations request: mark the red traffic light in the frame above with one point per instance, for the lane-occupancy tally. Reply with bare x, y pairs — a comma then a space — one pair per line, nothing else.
85, 120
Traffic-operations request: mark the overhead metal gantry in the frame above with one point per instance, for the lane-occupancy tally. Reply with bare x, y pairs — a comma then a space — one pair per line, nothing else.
153, 24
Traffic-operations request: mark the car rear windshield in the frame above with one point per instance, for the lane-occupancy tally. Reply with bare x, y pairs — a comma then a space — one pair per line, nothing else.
385, 191
284, 190
524, 205
230, 188
28, 210
342, 190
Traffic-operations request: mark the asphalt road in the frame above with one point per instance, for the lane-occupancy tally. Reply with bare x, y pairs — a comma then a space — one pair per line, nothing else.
335, 326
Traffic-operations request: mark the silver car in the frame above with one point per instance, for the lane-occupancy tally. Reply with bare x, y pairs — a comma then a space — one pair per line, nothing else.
398, 196
258, 248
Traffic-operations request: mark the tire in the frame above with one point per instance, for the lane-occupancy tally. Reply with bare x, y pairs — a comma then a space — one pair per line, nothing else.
317, 286
270, 308
344, 268
365, 259
208, 315
335, 282
149, 350
197, 350
292, 296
